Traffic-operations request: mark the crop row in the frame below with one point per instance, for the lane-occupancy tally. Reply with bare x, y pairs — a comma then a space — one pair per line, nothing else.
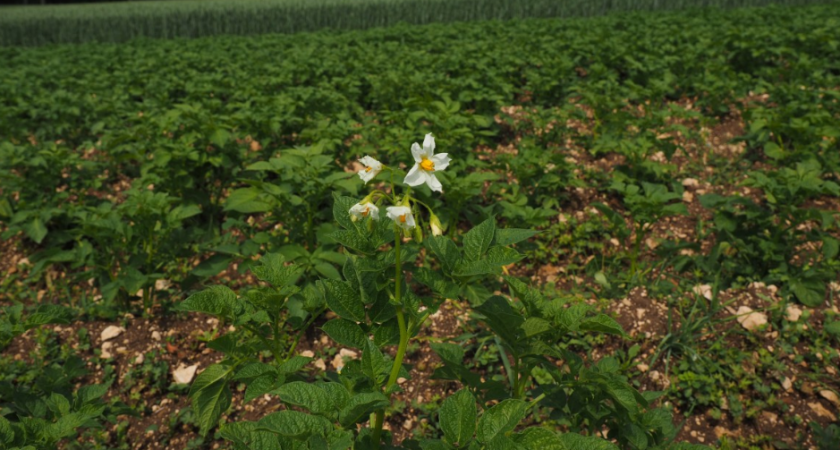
121, 21
124, 164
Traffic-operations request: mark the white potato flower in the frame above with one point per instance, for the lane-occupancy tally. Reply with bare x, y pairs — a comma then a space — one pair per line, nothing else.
402, 216
372, 168
361, 211
426, 163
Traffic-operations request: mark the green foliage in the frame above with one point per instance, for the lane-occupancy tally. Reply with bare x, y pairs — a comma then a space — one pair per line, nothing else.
269, 319
118, 22
48, 409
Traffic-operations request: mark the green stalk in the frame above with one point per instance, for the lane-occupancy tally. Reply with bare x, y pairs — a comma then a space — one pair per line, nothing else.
398, 359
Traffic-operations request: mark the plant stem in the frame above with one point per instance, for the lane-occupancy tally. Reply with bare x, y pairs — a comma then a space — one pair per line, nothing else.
398, 358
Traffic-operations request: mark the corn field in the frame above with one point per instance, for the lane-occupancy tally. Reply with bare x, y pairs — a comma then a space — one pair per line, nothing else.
119, 22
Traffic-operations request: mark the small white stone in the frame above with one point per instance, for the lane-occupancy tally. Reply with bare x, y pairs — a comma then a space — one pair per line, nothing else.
156, 335
184, 374
408, 424
307, 353
346, 352
830, 396
106, 350
654, 375
139, 359
320, 364
787, 384
793, 313
643, 368
111, 332
750, 319
690, 182
704, 289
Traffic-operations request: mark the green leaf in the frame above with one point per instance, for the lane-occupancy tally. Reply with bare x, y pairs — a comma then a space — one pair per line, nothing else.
248, 200
445, 250
772, 150
90, 393
500, 419
352, 239
509, 236
343, 300
807, 293
502, 442
490, 263
452, 353
253, 370
327, 270
360, 405
49, 314
338, 394
64, 427
478, 240
457, 418
293, 424
260, 386
210, 396
635, 435
831, 247
217, 300
602, 323
182, 212
220, 137
274, 271
430, 444
623, 394
534, 326
7, 434
387, 333
212, 265
373, 363
341, 211
294, 364
577, 442
345, 332
305, 395
540, 438
571, 317
832, 328
501, 318
36, 230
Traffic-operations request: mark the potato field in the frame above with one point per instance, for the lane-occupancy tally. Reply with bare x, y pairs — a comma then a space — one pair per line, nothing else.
420, 225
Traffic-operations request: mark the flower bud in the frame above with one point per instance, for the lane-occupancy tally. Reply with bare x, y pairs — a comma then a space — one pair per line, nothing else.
436, 226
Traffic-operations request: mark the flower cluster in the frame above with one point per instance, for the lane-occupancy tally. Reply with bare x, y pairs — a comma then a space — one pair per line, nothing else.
426, 163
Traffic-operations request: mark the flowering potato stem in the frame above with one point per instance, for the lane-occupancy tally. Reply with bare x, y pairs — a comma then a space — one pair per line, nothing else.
398, 358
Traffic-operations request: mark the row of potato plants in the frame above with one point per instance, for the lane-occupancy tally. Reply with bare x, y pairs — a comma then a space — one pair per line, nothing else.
144, 159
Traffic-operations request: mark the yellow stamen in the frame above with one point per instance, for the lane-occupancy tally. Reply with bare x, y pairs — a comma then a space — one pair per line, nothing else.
365, 212
402, 218
368, 169
427, 164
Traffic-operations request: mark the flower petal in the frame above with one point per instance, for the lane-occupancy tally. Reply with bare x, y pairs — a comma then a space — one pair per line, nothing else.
415, 176
418, 152
409, 222
429, 144
441, 161
432, 182
367, 175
